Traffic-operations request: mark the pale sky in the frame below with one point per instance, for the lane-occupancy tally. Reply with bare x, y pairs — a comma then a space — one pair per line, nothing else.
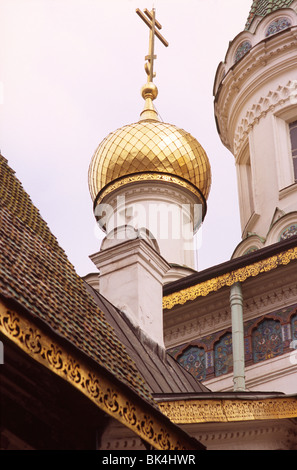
71, 73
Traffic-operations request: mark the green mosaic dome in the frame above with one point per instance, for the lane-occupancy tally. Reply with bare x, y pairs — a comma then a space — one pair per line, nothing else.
264, 7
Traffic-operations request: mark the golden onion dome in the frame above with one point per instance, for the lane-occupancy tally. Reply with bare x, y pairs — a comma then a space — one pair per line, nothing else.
145, 147
149, 150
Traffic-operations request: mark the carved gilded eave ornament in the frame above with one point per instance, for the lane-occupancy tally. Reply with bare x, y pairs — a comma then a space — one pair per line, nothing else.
193, 411
97, 385
229, 278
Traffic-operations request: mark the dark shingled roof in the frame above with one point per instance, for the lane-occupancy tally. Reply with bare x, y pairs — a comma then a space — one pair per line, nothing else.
264, 7
35, 273
162, 373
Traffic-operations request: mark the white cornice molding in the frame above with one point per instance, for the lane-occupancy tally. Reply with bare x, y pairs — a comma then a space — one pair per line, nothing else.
274, 100
261, 376
151, 191
210, 315
129, 252
197, 320
280, 368
255, 36
245, 77
271, 435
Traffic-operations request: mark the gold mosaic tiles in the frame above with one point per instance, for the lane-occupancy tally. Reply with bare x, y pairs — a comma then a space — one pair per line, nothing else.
149, 146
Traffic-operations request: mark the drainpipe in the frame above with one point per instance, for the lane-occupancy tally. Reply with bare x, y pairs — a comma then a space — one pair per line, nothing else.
236, 303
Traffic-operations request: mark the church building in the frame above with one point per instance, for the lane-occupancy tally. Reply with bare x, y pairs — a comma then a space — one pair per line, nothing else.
146, 352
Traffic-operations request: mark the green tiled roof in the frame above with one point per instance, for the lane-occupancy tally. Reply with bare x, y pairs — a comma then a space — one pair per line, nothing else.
36, 273
264, 7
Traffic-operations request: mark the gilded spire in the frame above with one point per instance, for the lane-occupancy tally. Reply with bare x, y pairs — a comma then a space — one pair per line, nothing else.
149, 90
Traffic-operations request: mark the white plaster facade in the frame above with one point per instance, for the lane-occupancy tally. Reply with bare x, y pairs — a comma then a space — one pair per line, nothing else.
254, 435
268, 435
167, 213
149, 242
255, 100
131, 278
263, 295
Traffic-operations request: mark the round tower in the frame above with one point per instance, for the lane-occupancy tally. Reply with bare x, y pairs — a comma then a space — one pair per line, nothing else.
255, 94
152, 179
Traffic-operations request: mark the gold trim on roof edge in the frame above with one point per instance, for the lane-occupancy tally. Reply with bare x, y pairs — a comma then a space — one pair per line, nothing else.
224, 411
114, 401
239, 275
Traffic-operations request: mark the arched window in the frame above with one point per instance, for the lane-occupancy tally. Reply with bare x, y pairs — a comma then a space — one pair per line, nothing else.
289, 232
267, 340
193, 360
251, 250
223, 359
242, 50
278, 25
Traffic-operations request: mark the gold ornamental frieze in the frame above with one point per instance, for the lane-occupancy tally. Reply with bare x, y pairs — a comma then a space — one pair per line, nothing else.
223, 411
147, 176
101, 390
228, 279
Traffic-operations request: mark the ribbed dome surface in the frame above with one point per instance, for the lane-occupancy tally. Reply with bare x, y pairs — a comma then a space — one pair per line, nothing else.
149, 146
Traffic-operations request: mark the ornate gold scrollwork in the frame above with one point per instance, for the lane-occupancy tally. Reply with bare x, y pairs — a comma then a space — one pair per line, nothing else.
54, 357
203, 411
32, 341
92, 386
147, 177
129, 413
11, 324
228, 279
72, 370
146, 425
112, 399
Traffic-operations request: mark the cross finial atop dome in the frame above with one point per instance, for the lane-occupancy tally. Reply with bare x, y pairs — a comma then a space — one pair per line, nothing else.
150, 91
152, 23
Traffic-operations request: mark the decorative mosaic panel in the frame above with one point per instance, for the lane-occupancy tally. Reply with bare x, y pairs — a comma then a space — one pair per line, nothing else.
223, 360
242, 50
294, 327
267, 340
264, 7
193, 360
278, 25
264, 340
289, 232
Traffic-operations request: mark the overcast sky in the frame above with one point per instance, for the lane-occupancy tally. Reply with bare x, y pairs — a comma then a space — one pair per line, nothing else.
71, 72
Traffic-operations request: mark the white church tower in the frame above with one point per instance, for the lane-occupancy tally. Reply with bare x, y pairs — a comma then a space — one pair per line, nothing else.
256, 112
149, 182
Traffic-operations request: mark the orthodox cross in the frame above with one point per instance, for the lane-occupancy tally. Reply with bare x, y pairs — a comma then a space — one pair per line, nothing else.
152, 23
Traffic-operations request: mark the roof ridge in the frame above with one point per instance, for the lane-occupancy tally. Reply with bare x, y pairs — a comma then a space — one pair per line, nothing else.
35, 272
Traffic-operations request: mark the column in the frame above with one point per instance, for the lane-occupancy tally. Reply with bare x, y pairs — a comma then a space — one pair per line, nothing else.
236, 303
